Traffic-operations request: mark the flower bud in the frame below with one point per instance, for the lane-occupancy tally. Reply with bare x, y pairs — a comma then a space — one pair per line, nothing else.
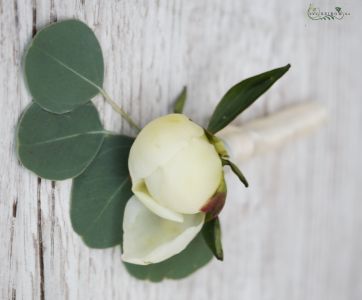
177, 181
174, 168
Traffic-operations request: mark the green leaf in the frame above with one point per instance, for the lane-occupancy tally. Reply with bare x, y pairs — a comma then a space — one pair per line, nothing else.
195, 256
212, 235
64, 66
58, 147
241, 96
236, 171
100, 194
180, 101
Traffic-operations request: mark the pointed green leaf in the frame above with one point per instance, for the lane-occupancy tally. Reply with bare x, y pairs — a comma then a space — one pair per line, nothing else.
64, 66
241, 96
212, 235
194, 257
180, 102
100, 194
236, 171
58, 147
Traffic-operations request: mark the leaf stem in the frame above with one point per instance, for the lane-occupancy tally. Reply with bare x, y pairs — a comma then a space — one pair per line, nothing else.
119, 109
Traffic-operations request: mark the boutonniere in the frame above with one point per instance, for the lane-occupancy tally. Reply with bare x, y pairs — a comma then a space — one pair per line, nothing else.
158, 194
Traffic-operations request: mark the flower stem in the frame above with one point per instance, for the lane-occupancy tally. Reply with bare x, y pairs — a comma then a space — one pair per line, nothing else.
119, 109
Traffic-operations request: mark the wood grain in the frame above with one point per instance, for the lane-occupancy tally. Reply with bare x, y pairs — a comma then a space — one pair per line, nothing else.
294, 234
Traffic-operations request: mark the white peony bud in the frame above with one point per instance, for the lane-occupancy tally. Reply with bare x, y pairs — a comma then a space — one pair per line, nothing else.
174, 168
176, 174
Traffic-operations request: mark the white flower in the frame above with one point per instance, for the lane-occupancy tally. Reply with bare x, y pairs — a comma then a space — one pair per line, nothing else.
175, 173
173, 166
149, 239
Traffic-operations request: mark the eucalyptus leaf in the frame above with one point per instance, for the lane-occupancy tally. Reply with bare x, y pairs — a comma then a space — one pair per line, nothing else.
100, 194
64, 66
58, 147
241, 96
196, 255
180, 101
212, 235
236, 171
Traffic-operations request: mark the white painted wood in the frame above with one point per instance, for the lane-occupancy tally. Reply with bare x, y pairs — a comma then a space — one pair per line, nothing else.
294, 234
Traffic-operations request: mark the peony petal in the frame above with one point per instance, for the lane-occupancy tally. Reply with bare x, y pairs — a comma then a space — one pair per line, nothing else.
147, 238
159, 141
189, 179
140, 190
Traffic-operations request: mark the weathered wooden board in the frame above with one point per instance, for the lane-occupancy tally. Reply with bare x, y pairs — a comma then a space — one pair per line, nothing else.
294, 234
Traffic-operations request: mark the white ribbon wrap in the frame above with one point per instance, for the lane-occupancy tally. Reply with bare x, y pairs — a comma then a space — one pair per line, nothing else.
267, 133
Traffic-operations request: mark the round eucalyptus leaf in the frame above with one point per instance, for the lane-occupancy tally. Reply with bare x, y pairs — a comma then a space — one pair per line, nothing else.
58, 147
195, 256
100, 194
64, 66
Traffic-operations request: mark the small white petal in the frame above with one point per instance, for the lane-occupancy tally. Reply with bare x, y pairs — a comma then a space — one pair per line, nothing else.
187, 181
159, 141
140, 190
147, 238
